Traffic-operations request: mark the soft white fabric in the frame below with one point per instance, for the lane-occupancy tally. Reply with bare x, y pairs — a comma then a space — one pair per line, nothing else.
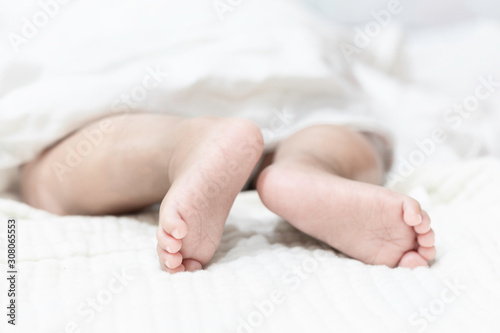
269, 61
441, 72
64, 261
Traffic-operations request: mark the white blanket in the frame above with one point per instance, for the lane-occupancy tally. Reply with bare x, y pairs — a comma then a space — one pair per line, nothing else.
101, 274
268, 61
278, 70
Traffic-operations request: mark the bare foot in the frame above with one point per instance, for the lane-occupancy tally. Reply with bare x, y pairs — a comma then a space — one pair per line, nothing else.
366, 222
208, 168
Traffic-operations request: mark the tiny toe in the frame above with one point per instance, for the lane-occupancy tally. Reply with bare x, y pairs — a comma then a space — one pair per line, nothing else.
172, 260
163, 256
428, 253
412, 214
426, 240
192, 265
173, 225
179, 269
425, 226
412, 260
167, 242
173, 245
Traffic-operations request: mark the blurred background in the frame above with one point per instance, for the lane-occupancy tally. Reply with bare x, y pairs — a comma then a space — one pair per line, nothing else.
417, 13
445, 46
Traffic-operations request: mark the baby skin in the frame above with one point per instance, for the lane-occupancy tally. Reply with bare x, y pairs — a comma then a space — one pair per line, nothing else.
324, 180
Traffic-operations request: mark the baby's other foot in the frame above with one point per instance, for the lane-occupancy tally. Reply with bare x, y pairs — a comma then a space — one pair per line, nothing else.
367, 222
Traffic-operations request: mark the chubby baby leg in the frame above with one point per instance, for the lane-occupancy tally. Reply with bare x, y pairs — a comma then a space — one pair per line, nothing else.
325, 180
194, 167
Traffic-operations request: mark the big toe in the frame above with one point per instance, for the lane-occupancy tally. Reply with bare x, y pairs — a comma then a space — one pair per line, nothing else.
412, 212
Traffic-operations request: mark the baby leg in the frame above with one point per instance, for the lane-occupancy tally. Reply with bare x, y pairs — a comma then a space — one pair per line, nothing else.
325, 180
194, 167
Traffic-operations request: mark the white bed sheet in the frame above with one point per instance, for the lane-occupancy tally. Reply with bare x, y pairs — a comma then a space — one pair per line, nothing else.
266, 276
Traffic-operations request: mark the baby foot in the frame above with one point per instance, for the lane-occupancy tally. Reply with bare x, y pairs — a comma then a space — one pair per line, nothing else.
208, 169
366, 222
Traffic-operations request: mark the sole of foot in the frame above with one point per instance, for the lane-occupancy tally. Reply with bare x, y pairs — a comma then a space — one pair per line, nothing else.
366, 222
208, 169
